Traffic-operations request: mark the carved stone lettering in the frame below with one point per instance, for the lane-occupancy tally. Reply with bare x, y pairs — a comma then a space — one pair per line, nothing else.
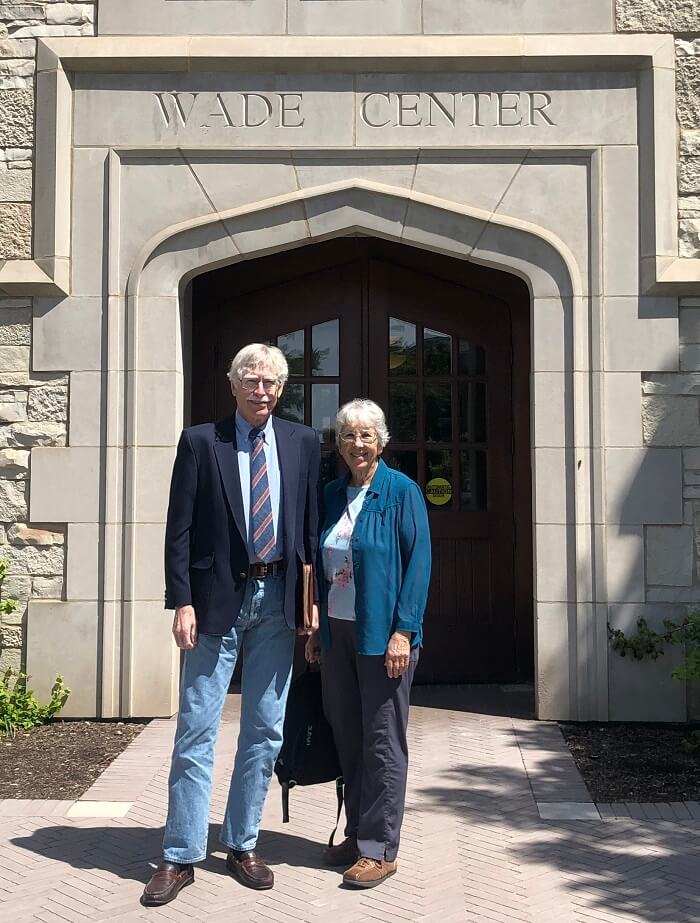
291, 110
407, 110
539, 102
442, 104
368, 100
231, 110
440, 109
508, 109
176, 107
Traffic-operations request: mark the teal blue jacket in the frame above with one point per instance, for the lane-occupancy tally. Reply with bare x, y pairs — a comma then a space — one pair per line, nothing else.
391, 559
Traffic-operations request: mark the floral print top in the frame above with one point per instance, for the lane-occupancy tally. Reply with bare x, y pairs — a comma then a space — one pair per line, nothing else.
337, 559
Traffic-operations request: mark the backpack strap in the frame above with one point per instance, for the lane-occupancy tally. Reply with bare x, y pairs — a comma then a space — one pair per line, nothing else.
285, 802
340, 795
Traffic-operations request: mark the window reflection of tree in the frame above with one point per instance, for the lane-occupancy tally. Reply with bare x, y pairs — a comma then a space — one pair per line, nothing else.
402, 356
292, 403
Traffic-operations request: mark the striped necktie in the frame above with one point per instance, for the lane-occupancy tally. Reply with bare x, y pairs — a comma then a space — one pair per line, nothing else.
260, 507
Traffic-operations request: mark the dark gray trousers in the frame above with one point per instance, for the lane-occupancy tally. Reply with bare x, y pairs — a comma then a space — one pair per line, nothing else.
368, 712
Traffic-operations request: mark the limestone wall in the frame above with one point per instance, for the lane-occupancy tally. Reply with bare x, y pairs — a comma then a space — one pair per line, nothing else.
33, 411
21, 23
671, 417
682, 17
33, 407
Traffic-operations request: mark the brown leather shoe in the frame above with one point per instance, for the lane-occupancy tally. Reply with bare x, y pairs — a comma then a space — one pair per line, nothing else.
249, 869
166, 883
368, 873
344, 853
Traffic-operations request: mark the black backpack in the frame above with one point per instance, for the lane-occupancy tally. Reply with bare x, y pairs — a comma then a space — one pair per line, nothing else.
308, 753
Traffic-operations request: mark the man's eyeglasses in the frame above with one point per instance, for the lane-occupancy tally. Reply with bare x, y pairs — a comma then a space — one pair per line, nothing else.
366, 437
250, 383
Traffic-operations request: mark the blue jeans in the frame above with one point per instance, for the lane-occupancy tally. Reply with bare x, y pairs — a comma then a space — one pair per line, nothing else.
267, 669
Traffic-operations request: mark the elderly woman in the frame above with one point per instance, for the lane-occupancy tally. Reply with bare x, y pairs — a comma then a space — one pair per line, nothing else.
375, 557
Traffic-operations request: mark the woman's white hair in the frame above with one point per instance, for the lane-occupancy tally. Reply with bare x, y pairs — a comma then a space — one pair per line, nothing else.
254, 355
363, 412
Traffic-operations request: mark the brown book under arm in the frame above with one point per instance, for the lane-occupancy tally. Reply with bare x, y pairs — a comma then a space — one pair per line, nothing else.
306, 597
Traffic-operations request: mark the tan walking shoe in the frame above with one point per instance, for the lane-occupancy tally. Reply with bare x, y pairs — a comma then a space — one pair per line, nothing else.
344, 853
368, 873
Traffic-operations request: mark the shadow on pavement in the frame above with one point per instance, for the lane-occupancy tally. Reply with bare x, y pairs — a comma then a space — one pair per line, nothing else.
642, 871
130, 852
515, 701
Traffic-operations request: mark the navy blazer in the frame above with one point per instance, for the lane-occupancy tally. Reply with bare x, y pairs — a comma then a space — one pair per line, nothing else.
206, 548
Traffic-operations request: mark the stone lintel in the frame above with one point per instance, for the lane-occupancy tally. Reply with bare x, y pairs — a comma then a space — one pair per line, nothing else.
115, 54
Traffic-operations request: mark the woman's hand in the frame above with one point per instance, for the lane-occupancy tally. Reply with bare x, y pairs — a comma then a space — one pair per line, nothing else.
312, 648
397, 654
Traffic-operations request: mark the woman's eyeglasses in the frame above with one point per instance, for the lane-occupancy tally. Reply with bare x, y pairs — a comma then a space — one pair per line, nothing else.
366, 437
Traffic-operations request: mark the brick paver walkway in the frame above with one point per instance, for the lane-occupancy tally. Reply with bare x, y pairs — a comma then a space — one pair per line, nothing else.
475, 845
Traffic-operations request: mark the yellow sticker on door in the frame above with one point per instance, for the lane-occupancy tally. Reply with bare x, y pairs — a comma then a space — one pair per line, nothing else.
438, 491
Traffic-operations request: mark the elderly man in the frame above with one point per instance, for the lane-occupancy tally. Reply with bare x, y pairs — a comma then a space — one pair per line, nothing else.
243, 516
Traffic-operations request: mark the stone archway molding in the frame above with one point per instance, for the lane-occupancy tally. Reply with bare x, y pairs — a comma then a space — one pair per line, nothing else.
169, 260
359, 206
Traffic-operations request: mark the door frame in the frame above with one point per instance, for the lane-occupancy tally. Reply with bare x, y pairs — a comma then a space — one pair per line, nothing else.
571, 641
291, 266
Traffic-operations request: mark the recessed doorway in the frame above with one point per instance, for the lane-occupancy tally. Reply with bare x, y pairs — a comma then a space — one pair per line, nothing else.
443, 346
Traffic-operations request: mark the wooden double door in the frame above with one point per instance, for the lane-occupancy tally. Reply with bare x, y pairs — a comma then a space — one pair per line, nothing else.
442, 346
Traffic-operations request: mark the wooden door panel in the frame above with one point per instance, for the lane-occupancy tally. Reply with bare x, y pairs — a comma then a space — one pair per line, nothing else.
473, 586
478, 624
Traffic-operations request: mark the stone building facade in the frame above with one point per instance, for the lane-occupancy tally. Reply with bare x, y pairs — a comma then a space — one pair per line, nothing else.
166, 139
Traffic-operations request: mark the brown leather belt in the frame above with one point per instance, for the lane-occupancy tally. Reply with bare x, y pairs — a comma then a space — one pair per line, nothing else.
259, 571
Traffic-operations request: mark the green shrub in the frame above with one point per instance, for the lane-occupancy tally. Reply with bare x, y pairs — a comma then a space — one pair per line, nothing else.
20, 708
7, 606
650, 643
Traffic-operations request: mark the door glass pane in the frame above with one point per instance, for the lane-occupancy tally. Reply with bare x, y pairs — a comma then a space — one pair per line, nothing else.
466, 398
479, 412
402, 347
291, 405
472, 474
437, 352
471, 358
480, 481
292, 345
406, 461
329, 466
325, 348
466, 485
324, 407
438, 479
438, 413
402, 412
472, 411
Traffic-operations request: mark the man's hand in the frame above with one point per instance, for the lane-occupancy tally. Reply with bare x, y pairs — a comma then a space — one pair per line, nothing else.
185, 628
314, 622
397, 654
312, 649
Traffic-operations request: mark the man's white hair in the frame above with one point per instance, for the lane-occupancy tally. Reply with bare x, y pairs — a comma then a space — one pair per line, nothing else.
362, 412
253, 356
